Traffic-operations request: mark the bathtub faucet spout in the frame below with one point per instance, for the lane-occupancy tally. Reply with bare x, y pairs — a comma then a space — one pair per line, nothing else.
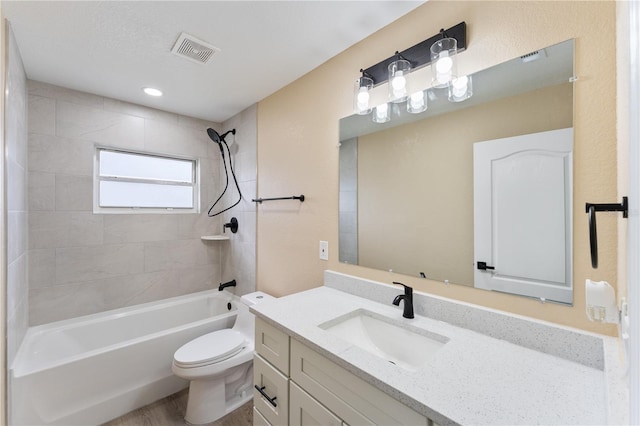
222, 286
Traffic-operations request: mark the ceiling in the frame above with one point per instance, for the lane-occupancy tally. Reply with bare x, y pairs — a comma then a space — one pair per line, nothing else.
115, 48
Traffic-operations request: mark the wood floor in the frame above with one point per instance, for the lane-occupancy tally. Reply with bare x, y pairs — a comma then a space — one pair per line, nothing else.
170, 412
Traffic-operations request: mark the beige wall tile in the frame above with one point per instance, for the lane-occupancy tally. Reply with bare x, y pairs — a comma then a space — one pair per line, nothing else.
179, 254
77, 264
42, 187
42, 115
16, 199
169, 138
56, 303
131, 228
128, 108
53, 154
74, 193
61, 229
38, 88
84, 263
96, 125
197, 123
42, 268
15, 166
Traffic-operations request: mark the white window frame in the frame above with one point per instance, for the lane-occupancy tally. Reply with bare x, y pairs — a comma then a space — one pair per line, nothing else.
195, 184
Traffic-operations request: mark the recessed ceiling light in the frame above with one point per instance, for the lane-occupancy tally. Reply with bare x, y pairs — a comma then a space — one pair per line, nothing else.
151, 91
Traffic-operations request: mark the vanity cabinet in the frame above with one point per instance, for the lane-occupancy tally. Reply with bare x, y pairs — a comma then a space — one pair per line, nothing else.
309, 389
271, 375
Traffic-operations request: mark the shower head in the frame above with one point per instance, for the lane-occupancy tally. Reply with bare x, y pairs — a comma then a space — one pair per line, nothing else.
216, 137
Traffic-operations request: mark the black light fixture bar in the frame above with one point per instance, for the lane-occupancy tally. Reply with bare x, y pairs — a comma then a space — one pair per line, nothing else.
418, 55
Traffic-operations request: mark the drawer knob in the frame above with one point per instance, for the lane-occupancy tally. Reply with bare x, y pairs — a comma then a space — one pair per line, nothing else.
272, 401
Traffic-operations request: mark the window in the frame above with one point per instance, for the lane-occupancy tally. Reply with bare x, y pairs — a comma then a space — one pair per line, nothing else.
125, 182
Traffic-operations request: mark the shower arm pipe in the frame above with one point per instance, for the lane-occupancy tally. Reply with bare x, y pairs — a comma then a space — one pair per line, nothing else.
294, 197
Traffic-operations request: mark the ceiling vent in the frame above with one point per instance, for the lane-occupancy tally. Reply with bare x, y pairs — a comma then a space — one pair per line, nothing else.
193, 49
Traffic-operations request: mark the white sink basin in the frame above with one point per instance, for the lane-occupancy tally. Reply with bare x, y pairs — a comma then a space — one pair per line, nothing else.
386, 338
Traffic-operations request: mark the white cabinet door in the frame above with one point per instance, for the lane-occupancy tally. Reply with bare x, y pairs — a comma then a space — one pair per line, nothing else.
523, 214
306, 411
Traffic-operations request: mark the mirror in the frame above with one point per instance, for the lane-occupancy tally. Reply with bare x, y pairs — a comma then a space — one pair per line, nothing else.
408, 192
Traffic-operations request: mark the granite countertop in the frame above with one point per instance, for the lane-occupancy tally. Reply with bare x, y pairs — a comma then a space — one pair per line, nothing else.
472, 379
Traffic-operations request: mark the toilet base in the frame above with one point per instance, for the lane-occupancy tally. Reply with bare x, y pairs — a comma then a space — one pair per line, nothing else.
214, 398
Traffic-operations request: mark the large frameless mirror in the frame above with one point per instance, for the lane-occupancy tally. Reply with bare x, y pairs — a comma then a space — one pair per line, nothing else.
475, 193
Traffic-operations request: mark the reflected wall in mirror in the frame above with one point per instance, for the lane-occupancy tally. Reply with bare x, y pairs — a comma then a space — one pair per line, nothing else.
407, 186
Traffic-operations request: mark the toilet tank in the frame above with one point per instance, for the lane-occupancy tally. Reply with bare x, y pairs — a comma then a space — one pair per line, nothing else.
255, 298
245, 322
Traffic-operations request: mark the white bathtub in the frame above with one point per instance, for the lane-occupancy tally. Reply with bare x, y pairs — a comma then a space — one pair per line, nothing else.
91, 369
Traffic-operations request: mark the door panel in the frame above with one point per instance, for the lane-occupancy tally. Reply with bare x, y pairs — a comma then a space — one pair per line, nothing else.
522, 214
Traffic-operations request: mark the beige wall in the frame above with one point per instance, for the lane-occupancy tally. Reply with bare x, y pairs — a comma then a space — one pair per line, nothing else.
298, 134
422, 173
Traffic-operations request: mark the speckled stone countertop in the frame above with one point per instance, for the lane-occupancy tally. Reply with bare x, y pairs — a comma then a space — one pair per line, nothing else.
473, 379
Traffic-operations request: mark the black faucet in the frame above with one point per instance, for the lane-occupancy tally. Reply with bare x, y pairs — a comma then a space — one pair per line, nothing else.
222, 286
408, 300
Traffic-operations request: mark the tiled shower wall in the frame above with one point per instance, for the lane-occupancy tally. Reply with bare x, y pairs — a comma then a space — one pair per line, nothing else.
239, 260
349, 201
16, 160
81, 262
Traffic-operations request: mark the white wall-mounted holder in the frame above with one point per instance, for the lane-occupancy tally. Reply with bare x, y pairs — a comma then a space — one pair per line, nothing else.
601, 302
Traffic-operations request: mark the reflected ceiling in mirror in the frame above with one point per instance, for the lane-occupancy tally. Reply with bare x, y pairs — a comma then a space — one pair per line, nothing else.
407, 186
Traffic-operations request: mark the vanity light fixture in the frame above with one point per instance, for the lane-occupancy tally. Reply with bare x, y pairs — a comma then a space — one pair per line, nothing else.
439, 50
444, 61
398, 72
362, 96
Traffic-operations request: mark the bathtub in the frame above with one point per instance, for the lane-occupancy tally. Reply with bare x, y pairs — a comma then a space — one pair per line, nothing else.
94, 368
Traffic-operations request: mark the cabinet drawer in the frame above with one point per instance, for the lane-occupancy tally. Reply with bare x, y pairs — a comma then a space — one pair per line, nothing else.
306, 411
276, 387
349, 397
258, 419
273, 345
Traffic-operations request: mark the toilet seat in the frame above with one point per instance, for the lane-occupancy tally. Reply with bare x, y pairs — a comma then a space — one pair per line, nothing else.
210, 349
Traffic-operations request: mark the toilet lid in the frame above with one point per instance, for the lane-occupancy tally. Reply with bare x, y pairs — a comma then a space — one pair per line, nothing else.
210, 348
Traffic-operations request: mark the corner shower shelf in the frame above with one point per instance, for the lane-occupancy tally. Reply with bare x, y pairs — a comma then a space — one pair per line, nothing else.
214, 237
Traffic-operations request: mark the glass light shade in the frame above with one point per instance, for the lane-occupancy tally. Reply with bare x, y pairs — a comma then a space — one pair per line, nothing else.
381, 113
460, 89
443, 61
398, 83
417, 102
361, 95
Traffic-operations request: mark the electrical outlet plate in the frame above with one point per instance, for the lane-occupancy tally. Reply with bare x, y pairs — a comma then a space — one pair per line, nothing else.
324, 250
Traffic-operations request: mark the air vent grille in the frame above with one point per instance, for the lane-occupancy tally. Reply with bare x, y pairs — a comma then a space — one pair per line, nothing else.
193, 49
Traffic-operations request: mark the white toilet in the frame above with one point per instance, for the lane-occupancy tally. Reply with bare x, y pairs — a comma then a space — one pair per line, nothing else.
220, 366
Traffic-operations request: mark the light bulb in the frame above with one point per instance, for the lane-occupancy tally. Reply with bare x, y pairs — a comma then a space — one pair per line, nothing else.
381, 111
381, 114
399, 82
444, 64
363, 100
417, 100
363, 96
460, 86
